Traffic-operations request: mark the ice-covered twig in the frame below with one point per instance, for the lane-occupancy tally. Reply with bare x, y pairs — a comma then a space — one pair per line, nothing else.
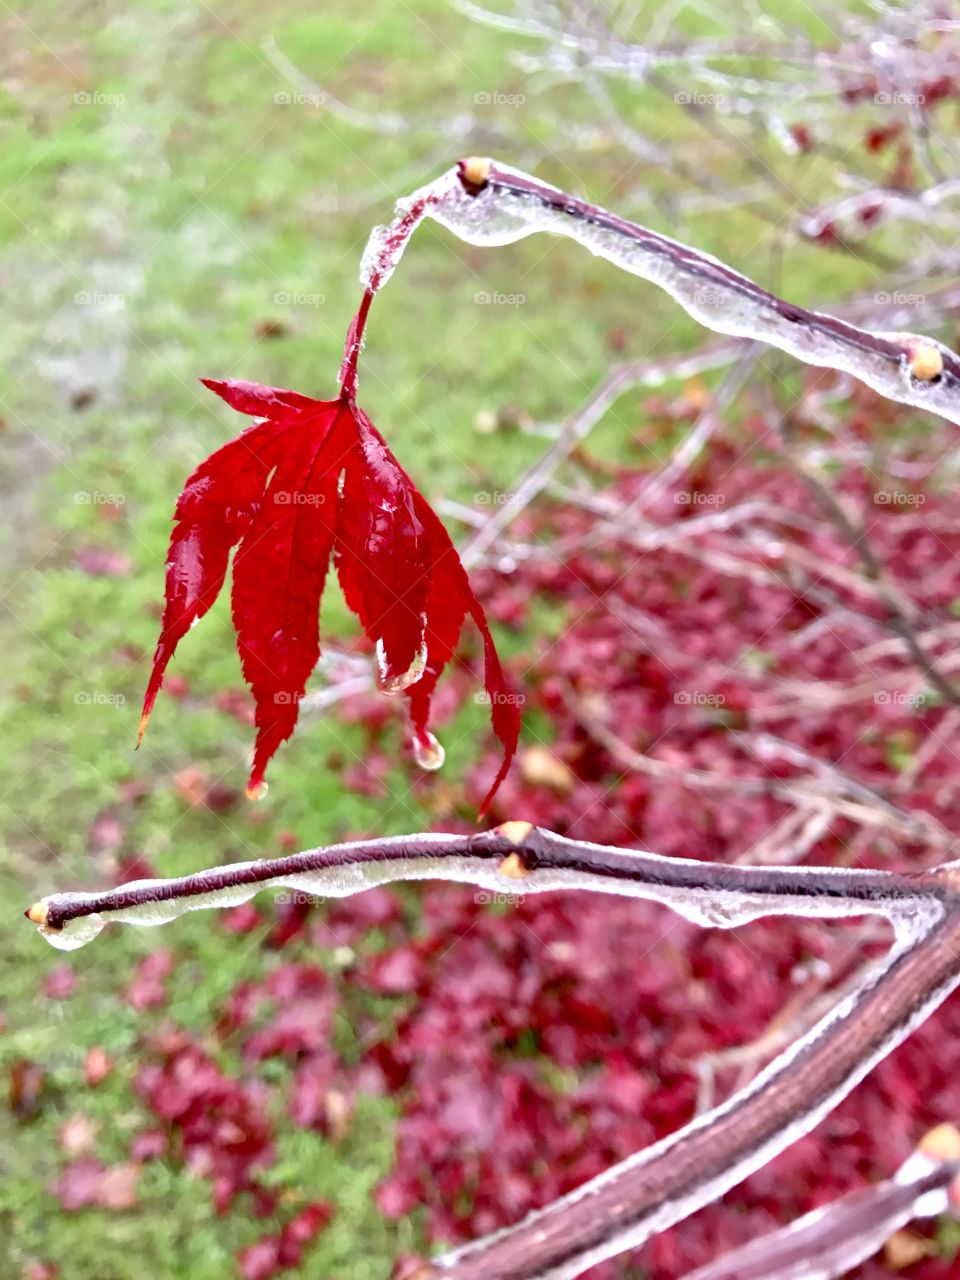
673, 1178
836, 1237
707, 893
486, 203
881, 204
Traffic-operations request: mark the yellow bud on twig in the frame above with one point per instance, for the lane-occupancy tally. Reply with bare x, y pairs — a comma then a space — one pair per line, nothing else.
926, 362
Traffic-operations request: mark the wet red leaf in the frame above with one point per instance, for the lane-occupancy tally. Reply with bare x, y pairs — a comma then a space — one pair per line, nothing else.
273, 1254
242, 919
77, 1134
176, 686
221, 1124
316, 481
260, 1261
106, 833
149, 1145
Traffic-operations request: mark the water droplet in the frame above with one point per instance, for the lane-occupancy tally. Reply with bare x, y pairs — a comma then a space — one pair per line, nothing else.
390, 683
258, 791
427, 751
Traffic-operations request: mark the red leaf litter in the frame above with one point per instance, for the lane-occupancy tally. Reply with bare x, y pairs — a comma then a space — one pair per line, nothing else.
221, 1123
218, 1124
314, 481
147, 990
273, 1254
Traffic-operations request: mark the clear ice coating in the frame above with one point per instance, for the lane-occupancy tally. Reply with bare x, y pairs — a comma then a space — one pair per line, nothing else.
710, 907
837, 1236
393, 683
75, 933
386, 244
715, 295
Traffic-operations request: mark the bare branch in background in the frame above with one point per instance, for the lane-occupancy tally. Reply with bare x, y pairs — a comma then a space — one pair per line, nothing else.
898, 610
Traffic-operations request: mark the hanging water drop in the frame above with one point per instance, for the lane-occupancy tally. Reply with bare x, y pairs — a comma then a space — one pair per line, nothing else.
258, 790
427, 751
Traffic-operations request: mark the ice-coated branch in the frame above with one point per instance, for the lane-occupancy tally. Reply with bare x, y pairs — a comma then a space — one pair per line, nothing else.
838, 1236
490, 204
673, 1178
709, 894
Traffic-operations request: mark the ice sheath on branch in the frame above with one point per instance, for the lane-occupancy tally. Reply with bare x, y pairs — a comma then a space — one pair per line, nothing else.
831, 1239
487, 203
673, 1178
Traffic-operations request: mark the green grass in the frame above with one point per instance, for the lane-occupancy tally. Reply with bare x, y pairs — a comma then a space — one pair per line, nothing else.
182, 202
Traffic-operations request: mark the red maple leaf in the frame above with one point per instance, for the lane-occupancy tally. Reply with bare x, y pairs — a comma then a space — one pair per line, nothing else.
314, 480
